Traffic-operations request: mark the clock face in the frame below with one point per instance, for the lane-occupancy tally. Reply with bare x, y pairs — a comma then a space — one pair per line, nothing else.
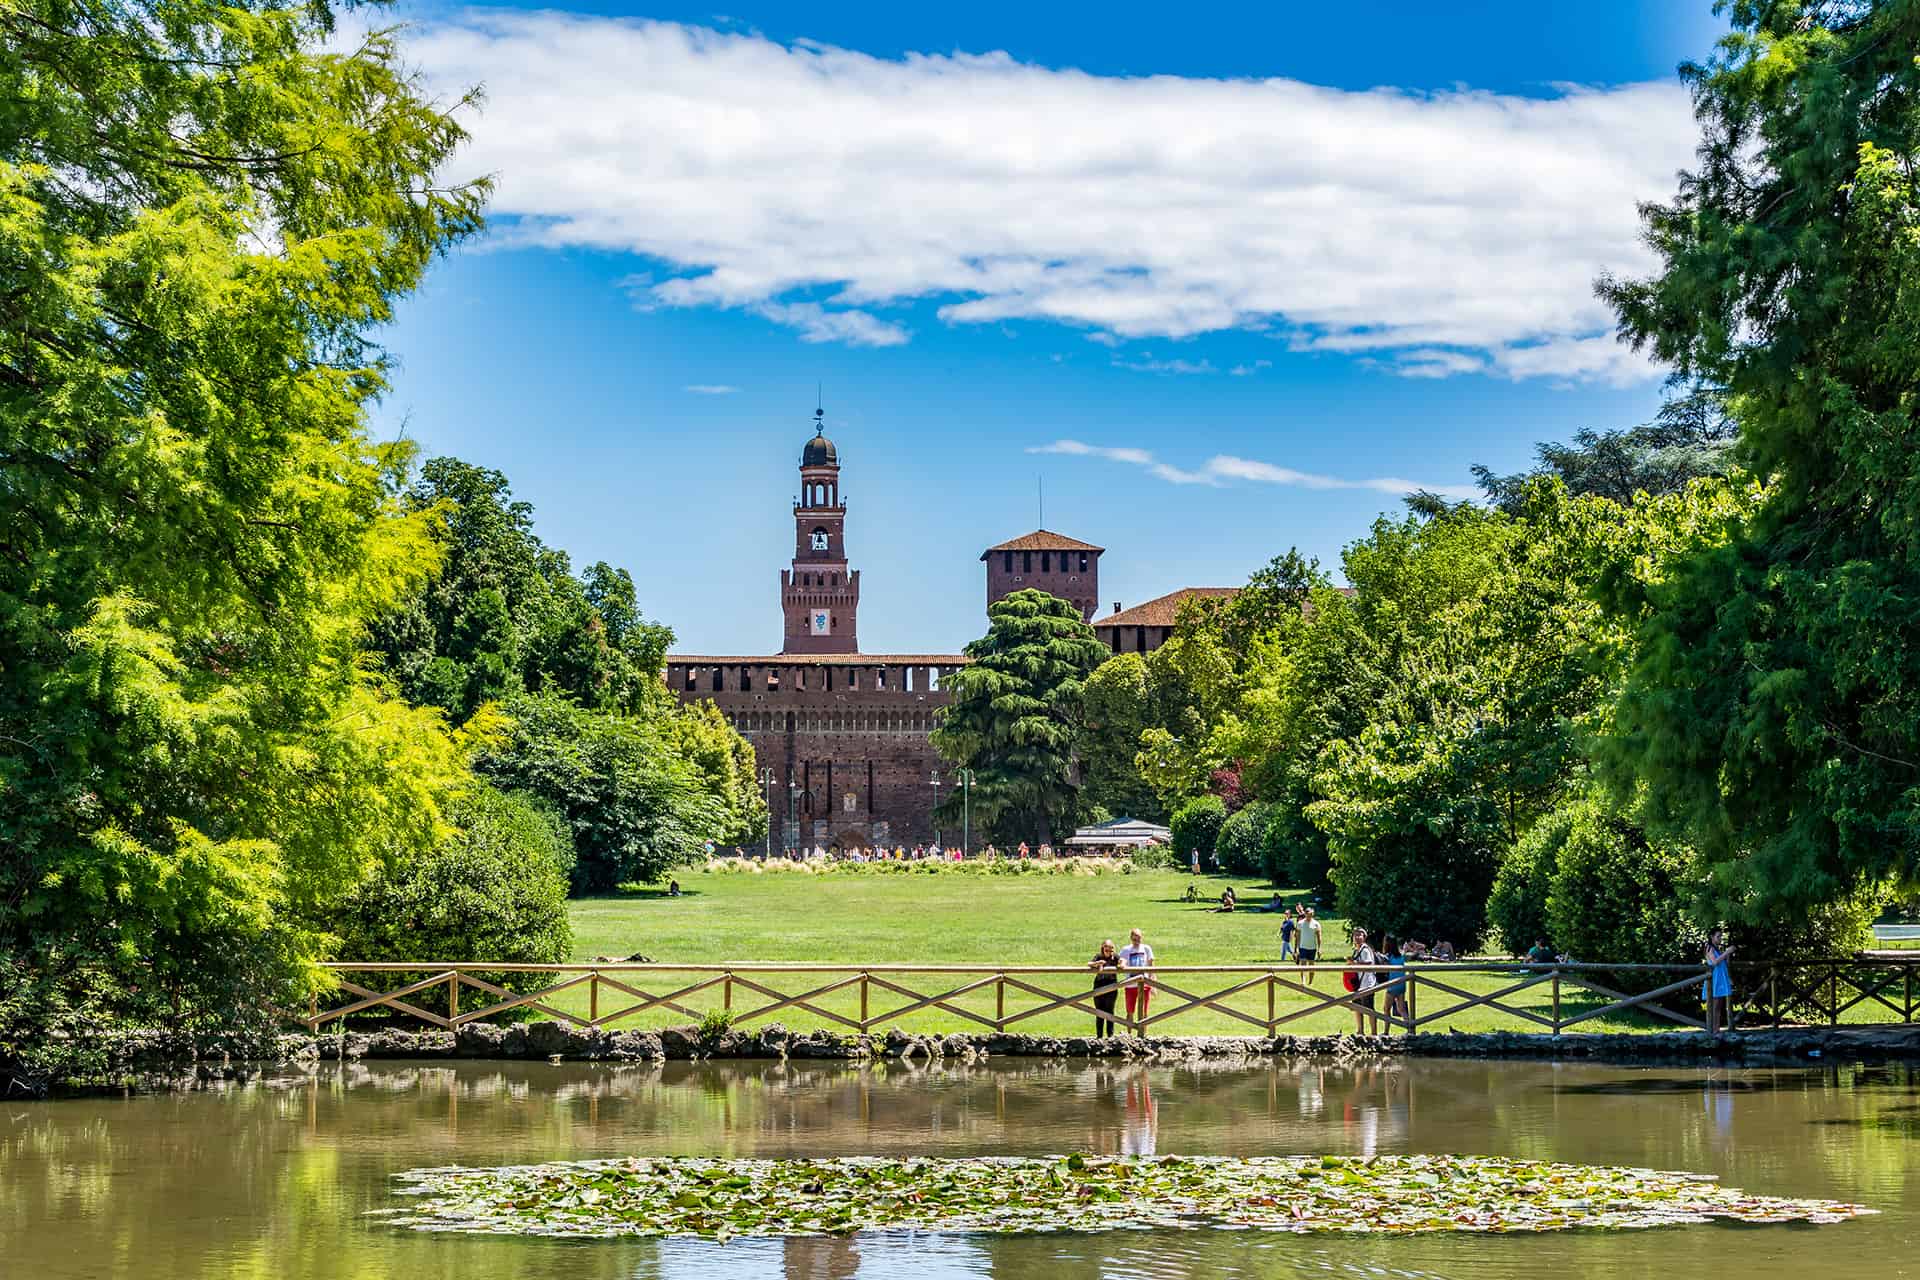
822, 622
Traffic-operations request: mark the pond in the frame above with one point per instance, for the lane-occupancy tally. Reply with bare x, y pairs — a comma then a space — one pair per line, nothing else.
277, 1179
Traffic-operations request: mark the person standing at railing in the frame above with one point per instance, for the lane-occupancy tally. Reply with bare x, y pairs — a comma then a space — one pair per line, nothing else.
1719, 981
1136, 960
1365, 980
1395, 954
1106, 985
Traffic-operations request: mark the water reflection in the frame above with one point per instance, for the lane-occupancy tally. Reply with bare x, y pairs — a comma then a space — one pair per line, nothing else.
276, 1179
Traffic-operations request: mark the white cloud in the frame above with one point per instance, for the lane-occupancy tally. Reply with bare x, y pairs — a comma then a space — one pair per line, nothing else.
711, 389
816, 185
1225, 467
1250, 368
817, 324
1147, 364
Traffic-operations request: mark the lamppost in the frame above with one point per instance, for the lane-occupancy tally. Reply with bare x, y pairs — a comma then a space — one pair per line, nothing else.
793, 812
936, 808
766, 785
966, 813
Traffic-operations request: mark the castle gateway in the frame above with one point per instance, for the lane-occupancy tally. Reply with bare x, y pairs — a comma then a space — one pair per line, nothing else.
843, 734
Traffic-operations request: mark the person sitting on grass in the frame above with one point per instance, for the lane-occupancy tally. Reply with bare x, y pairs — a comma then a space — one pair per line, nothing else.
1192, 894
1540, 952
1442, 950
1227, 901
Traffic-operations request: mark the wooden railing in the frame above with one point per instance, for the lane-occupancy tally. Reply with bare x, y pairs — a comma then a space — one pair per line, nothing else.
1250, 998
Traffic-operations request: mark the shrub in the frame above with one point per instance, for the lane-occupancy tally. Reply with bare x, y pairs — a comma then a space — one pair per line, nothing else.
1152, 857
494, 889
1616, 896
1293, 852
1517, 907
1241, 846
1416, 885
1196, 826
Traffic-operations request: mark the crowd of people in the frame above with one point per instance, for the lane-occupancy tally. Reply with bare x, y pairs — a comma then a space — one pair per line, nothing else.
932, 851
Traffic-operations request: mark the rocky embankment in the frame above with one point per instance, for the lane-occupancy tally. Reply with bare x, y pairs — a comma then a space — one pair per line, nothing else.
175, 1062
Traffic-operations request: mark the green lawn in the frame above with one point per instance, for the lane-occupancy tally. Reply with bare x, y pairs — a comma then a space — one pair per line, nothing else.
859, 918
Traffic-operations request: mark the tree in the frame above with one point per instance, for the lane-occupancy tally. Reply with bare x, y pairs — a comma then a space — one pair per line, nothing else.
1690, 439
1014, 715
635, 805
504, 614
1772, 714
1117, 707
203, 213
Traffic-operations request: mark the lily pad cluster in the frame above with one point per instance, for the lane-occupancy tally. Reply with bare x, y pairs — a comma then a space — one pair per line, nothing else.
720, 1199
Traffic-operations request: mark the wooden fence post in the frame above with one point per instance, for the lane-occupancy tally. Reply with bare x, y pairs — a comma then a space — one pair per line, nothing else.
1413, 1000
593, 997
1556, 1000
726, 992
1272, 983
453, 998
1000, 1003
863, 1003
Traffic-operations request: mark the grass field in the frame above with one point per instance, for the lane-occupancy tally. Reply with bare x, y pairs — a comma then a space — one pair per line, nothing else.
863, 918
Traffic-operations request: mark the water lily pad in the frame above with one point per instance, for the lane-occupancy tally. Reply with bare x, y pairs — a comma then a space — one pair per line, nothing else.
720, 1199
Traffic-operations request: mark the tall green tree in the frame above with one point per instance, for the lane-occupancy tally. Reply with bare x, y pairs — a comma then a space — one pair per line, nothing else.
204, 211
1014, 715
635, 804
1772, 716
504, 614
1691, 438
1117, 708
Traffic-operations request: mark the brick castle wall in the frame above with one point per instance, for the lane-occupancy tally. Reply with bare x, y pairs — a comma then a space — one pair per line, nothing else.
845, 737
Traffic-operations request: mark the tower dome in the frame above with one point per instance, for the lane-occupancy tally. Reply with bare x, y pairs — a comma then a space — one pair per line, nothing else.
819, 451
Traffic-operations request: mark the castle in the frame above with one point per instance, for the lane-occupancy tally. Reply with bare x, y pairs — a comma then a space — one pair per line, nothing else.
841, 736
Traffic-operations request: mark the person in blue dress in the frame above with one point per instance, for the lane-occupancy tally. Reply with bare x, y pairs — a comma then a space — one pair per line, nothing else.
1718, 984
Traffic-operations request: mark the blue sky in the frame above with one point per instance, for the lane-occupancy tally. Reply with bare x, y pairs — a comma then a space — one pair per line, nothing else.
1225, 281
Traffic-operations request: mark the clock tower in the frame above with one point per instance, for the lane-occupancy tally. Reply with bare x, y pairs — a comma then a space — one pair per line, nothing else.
819, 596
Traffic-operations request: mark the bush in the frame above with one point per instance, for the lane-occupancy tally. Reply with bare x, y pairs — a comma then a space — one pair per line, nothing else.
495, 889
1196, 826
1517, 907
1615, 896
1416, 885
1152, 857
1241, 847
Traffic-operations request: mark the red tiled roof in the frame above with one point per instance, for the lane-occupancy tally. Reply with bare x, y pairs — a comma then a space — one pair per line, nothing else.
1042, 540
818, 660
1163, 611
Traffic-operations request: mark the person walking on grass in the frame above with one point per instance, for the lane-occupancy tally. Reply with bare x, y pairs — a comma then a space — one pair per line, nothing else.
1136, 961
1306, 936
1106, 984
1365, 980
1719, 981
1286, 939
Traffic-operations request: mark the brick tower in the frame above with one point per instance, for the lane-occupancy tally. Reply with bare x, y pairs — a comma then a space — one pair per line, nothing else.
819, 596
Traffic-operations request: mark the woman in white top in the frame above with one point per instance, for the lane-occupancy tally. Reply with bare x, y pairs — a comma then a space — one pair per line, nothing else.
1368, 980
1136, 960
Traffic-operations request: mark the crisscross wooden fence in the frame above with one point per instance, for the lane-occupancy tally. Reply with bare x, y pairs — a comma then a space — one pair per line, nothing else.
1258, 998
